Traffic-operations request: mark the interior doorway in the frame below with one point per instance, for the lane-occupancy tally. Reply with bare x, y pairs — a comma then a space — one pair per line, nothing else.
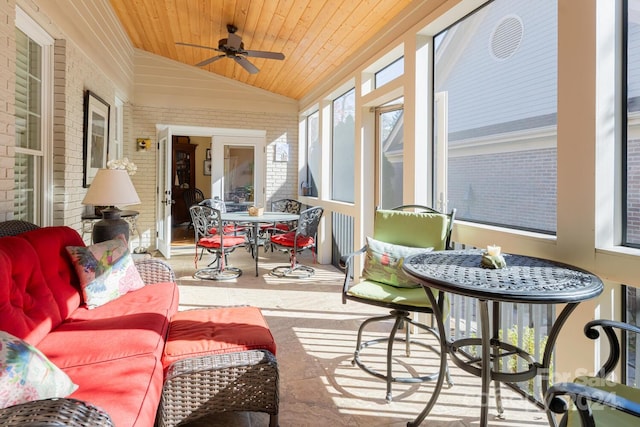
219, 162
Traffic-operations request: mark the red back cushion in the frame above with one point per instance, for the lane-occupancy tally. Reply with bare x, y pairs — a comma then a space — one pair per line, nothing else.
50, 245
29, 309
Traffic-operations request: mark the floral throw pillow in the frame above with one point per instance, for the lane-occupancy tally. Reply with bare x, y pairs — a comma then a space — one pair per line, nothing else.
26, 374
106, 271
383, 263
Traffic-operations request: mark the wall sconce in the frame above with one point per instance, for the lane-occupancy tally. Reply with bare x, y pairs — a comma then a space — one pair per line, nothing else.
143, 144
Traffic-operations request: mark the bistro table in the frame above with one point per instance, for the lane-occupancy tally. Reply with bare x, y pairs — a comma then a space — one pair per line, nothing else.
256, 220
526, 280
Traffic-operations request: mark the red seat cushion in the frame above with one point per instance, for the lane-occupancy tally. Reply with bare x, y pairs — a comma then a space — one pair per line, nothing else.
279, 226
128, 389
286, 239
195, 333
213, 242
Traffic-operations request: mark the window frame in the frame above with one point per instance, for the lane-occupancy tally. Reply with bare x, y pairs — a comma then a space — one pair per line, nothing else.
44, 173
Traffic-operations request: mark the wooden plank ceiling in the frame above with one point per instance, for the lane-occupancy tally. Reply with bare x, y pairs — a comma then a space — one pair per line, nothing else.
316, 36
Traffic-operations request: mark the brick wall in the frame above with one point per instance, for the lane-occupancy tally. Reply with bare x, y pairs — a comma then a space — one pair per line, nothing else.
515, 188
7, 107
74, 73
140, 121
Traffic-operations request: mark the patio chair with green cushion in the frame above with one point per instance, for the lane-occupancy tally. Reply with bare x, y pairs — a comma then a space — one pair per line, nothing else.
397, 233
597, 400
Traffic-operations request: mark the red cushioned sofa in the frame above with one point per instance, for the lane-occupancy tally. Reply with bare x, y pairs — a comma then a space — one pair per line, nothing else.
112, 352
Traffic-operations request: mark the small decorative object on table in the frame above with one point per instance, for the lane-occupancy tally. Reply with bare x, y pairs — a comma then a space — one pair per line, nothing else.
492, 258
255, 211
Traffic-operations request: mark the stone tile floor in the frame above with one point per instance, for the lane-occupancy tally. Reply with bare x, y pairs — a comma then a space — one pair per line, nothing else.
315, 334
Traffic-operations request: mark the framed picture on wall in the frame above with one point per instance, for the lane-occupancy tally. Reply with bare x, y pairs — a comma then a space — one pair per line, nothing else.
96, 136
207, 167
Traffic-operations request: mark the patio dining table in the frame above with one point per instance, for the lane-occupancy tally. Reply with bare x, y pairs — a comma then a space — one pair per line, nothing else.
255, 221
525, 279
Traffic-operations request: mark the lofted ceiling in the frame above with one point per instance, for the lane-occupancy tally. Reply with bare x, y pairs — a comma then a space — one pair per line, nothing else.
315, 36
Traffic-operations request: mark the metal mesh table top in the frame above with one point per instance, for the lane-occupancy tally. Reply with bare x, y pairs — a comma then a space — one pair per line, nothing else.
525, 279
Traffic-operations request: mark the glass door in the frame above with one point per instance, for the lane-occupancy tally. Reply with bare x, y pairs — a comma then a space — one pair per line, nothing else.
239, 177
237, 174
389, 148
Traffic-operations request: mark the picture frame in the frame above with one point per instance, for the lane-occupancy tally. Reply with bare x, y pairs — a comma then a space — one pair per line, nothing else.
96, 136
282, 152
207, 168
208, 154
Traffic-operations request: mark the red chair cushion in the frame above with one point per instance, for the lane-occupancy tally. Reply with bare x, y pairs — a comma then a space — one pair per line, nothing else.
222, 330
286, 239
213, 242
280, 226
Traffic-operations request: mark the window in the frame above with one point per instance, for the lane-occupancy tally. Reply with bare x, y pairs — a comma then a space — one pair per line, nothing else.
310, 184
32, 82
390, 72
343, 147
390, 144
631, 144
496, 115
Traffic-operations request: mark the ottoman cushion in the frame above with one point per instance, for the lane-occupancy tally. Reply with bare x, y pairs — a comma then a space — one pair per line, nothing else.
195, 333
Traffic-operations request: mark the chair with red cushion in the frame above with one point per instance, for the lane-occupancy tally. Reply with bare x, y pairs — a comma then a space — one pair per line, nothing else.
210, 236
229, 227
282, 205
294, 241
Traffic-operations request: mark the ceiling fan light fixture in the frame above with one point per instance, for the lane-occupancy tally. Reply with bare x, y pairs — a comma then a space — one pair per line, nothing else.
233, 47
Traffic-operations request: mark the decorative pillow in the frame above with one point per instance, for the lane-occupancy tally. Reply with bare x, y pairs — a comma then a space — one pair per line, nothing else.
383, 263
106, 271
26, 374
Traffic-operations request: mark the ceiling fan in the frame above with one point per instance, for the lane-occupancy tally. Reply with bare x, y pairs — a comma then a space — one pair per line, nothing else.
232, 47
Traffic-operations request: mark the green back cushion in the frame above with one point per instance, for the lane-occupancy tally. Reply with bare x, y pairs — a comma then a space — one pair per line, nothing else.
383, 263
414, 229
396, 235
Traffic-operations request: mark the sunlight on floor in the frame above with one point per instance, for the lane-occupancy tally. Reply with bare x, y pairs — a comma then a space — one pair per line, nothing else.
315, 335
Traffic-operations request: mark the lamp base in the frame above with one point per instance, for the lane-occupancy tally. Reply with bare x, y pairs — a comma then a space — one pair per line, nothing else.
110, 226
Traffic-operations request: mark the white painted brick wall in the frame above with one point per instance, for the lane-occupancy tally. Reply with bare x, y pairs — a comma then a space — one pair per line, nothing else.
73, 75
7, 107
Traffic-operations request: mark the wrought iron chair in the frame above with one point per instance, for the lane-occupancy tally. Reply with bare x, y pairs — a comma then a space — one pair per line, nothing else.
192, 196
283, 205
210, 236
597, 400
295, 241
229, 227
400, 232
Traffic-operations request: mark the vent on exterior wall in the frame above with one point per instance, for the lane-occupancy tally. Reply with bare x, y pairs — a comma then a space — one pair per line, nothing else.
506, 37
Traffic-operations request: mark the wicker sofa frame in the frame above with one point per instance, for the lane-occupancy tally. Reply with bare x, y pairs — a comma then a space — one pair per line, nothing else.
199, 386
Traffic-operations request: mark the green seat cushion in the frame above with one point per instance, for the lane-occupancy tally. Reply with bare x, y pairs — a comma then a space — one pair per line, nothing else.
605, 416
376, 291
383, 263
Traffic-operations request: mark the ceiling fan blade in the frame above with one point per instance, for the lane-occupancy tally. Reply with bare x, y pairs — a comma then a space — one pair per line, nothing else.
209, 61
252, 69
234, 42
196, 45
263, 54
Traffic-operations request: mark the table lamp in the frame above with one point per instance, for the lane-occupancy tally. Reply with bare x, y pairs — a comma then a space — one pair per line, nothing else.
111, 187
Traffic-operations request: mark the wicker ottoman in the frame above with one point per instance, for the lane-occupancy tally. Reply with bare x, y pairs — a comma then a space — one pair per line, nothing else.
218, 360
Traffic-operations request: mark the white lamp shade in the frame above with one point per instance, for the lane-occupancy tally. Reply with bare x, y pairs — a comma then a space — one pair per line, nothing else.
111, 187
